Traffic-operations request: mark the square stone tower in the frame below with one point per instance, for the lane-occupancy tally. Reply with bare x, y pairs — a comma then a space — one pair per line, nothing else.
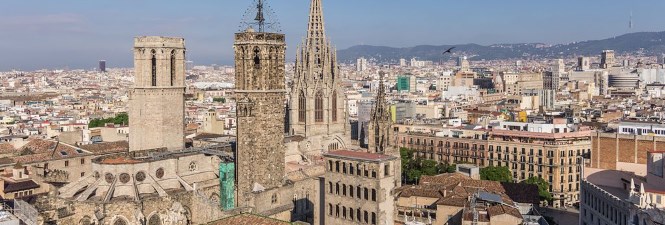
156, 101
260, 96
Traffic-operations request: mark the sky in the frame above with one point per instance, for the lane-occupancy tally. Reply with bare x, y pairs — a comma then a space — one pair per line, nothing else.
76, 34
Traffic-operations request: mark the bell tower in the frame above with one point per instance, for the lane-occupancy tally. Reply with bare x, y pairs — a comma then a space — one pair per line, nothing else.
260, 96
156, 101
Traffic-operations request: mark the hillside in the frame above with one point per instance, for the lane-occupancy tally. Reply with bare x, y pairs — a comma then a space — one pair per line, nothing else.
649, 43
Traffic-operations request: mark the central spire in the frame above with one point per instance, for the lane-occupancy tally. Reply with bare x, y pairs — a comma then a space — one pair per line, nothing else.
316, 30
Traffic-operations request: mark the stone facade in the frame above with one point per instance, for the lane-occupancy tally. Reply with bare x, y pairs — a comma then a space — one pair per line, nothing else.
359, 187
159, 84
317, 108
380, 130
260, 97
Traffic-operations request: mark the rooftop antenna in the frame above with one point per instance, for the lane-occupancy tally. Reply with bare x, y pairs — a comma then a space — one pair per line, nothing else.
260, 16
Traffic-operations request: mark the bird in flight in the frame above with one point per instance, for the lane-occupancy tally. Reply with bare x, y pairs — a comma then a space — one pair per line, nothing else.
450, 50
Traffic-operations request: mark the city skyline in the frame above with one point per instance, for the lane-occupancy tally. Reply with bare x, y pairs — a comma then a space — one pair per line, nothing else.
77, 35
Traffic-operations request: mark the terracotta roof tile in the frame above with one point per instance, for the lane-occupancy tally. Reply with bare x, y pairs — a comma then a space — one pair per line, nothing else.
247, 219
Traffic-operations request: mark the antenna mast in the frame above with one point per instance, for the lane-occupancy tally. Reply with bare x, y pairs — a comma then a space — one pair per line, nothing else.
260, 19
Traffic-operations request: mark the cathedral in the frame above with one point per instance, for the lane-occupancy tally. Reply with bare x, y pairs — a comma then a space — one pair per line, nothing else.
278, 169
317, 102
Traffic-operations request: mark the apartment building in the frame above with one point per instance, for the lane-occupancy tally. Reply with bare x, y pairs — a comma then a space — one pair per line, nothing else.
551, 151
359, 186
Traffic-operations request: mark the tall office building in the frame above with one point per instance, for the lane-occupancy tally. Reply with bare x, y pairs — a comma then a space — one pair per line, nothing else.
402, 63
102, 66
361, 64
607, 59
583, 63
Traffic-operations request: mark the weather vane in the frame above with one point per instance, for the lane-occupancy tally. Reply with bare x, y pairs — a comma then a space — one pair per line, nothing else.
261, 16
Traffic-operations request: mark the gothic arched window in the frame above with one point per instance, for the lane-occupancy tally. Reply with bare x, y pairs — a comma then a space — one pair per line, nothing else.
172, 67
257, 59
318, 107
334, 107
154, 220
302, 107
154, 67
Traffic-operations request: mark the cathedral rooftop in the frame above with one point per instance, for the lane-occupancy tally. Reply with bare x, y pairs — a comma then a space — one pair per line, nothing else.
359, 155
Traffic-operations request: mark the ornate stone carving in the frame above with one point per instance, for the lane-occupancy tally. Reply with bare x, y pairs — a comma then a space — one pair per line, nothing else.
159, 173
140, 176
108, 177
124, 178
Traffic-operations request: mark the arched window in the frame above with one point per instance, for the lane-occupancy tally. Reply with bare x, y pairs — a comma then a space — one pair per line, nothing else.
351, 211
302, 107
351, 191
337, 211
331, 187
344, 189
154, 220
153, 61
257, 58
318, 107
373, 218
344, 212
374, 195
366, 217
173, 67
334, 107
330, 209
120, 221
366, 192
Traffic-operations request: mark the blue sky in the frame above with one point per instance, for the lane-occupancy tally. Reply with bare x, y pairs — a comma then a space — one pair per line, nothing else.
77, 33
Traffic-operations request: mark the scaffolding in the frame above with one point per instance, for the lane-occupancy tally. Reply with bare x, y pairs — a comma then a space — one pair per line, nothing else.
227, 185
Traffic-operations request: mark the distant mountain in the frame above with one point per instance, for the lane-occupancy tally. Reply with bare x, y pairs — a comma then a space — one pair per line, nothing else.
648, 43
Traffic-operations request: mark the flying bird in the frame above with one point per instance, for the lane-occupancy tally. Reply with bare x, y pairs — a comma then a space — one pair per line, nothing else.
450, 50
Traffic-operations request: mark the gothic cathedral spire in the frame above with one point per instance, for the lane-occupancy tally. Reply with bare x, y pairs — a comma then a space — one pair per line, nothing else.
380, 122
317, 108
316, 32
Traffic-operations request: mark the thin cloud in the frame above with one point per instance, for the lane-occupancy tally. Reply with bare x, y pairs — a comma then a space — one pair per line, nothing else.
63, 22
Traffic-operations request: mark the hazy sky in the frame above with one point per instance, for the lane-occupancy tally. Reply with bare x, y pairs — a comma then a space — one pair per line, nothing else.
77, 33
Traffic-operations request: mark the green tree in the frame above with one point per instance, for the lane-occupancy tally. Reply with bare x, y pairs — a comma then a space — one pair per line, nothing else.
446, 168
121, 119
543, 187
428, 167
219, 99
501, 174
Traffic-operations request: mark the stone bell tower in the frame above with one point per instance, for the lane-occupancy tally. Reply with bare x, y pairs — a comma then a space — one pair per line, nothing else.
260, 97
156, 101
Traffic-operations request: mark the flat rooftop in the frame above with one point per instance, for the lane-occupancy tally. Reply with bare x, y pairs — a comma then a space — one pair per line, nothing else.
359, 155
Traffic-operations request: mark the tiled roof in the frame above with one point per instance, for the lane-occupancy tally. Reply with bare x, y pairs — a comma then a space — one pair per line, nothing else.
38, 150
453, 189
107, 147
6, 148
249, 219
502, 209
19, 186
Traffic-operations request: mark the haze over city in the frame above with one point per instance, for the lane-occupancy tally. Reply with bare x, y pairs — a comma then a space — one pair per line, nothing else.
332, 112
74, 34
